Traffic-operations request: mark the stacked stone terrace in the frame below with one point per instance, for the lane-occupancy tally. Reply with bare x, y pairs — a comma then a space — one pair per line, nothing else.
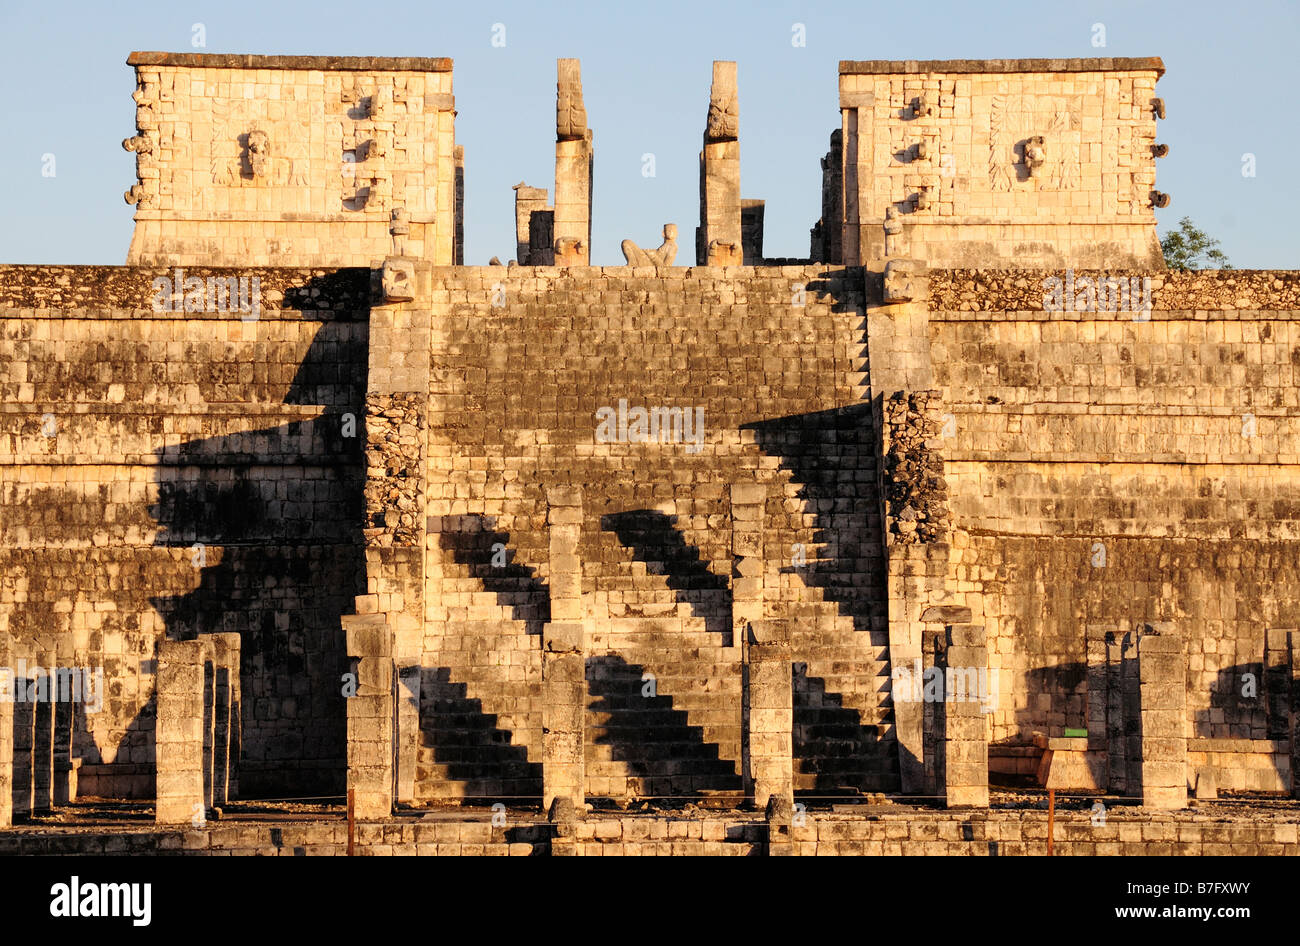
559, 535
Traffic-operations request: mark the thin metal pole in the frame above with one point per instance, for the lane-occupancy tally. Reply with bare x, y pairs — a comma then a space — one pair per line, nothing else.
1051, 818
352, 821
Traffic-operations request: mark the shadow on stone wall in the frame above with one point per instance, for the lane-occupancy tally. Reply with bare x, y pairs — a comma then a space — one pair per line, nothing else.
272, 520
654, 539
832, 743
475, 543
656, 743
830, 454
470, 746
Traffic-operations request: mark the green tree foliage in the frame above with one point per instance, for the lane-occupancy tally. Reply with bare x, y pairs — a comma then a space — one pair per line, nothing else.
1189, 247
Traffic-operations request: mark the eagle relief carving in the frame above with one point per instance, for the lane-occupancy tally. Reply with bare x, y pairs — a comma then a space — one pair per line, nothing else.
244, 155
1014, 121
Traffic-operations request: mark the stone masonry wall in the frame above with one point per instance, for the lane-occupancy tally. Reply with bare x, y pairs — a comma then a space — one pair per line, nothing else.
172, 474
947, 147
904, 832
523, 359
291, 160
1112, 469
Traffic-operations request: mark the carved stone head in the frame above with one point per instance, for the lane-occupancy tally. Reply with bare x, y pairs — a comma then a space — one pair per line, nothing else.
1035, 153
905, 281
397, 280
259, 153
724, 117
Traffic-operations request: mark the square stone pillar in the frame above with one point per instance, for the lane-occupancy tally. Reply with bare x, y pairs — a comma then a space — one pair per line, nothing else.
967, 693
6, 733
179, 741
1293, 666
43, 731
747, 511
719, 240
370, 714
534, 226
24, 735
226, 723
564, 677
1162, 689
209, 658
410, 642
1277, 683
768, 714
67, 694
573, 169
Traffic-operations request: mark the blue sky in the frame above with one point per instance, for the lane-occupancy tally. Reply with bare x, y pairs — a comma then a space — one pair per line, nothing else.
646, 71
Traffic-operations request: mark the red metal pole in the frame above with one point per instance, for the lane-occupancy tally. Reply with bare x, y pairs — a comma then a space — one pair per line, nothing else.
352, 821
1051, 818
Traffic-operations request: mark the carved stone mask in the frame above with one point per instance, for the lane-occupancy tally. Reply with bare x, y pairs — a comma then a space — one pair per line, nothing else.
259, 153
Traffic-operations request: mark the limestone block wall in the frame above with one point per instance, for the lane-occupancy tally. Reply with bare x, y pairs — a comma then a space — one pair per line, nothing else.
1109, 469
523, 359
182, 473
291, 160
942, 144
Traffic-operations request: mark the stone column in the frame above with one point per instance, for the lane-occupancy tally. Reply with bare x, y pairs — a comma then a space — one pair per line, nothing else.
1293, 663
1162, 688
66, 693
828, 235
209, 717
966, 747
24, 734
458, 223
410, 642
769, 714
225, 721
573, 169
1277, 683
747, 510
564, 683
719, 241
179, 733
7, 692
389, 618
533, 212
370, 714
43, 733
752, 213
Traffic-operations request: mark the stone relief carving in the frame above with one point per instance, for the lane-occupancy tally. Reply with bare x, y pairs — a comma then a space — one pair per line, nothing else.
137, 195
1012, 120
253, 163
893, 231
257, 154
381, 103
1035, 153
145, 97
905, 281
663, 256
723, 123
569, 251
243, 155
398, 280
570, 113
399, 228
725, 253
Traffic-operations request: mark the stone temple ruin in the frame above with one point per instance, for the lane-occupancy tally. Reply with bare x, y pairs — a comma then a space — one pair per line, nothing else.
978, 494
